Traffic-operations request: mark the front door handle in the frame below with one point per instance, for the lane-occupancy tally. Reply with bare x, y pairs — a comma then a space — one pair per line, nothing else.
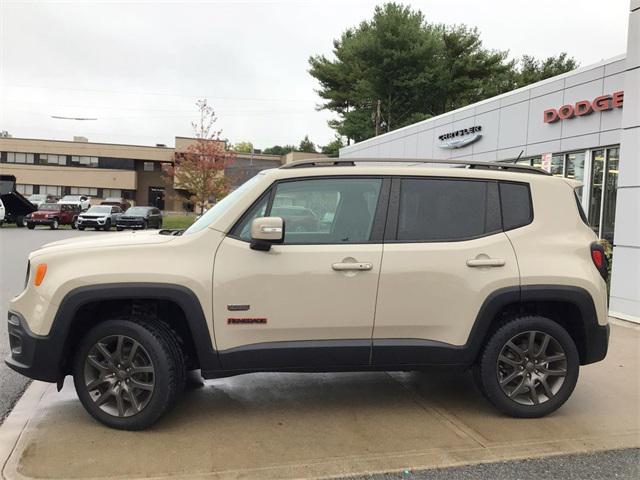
486, 262
342, 266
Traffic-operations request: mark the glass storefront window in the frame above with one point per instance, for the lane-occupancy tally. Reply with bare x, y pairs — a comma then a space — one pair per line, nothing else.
574, 167
557, 165
610, 186
597, 167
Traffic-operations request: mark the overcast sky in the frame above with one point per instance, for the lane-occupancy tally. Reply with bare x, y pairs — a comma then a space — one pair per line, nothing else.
139, 66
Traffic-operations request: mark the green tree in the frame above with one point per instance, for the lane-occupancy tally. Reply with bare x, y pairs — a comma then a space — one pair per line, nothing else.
307, 145
531, 70
397, 68
243, 147
332, 149
279, 150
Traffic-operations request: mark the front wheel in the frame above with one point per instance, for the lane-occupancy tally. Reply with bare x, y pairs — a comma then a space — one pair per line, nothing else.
31, 226
529, 367
128, 373
81, 228
74, 223
54, 224
21, 222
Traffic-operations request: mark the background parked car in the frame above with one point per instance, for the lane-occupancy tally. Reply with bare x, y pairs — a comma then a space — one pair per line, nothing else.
99, 217
53, 215
39, 198
140, 217
81, 200
298, 218
123, 203
1, 213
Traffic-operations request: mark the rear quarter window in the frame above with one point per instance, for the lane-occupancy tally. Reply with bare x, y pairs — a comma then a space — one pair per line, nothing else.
517, 208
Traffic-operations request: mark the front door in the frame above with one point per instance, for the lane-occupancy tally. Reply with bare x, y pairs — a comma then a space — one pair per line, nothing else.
444, 255
309, 301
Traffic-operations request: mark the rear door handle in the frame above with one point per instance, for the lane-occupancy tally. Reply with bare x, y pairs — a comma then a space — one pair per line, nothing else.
486, 262
340, 267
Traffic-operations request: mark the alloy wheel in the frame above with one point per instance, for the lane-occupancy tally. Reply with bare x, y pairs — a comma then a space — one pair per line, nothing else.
532, 367
119, 375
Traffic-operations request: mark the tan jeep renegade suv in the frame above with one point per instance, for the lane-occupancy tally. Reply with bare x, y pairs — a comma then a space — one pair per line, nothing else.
328, 265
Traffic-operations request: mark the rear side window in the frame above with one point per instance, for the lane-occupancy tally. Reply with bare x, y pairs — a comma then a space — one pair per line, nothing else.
438, 210
515, 200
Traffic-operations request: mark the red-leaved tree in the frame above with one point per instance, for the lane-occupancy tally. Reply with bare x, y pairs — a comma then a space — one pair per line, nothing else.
199, 169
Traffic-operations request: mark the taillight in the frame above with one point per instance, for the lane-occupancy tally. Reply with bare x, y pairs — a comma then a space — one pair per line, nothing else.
599, 259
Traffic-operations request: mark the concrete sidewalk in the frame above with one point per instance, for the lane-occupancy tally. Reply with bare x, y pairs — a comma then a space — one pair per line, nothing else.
323, 425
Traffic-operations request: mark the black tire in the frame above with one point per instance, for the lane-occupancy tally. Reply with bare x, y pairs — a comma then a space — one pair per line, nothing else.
31, 226
107, 225
74, 223
81, 228
165, 356
160, 225
21, 222
119, 228
145, 225
55, 224
489, 370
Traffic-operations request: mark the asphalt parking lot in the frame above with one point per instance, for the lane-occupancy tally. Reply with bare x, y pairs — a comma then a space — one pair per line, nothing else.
15, 246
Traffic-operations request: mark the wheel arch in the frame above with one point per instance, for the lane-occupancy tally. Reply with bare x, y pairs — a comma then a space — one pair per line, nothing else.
84, 307
571, 307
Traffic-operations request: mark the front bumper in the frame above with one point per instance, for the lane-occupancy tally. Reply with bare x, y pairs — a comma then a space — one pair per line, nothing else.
40, 221
91, 222
32, 355
130, 223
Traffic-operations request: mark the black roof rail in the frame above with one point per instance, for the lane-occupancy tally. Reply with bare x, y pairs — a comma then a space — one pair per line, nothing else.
351, 162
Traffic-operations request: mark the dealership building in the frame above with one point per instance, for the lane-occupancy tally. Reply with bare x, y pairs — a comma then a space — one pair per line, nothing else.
583, 125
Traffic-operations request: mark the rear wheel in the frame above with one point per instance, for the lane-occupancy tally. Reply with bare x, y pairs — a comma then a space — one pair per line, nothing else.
529, 367
74, 223
145, 224
21, 222
119, 229
128, 373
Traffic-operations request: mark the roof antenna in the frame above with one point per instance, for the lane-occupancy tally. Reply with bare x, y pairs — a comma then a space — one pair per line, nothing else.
518, 158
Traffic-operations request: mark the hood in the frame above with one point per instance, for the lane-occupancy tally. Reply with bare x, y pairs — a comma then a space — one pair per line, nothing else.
81, 244
45, 213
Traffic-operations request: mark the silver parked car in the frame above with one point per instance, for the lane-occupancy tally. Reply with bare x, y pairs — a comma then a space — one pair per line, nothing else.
100, 217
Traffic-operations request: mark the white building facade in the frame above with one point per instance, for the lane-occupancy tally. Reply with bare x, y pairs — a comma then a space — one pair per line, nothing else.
584, 125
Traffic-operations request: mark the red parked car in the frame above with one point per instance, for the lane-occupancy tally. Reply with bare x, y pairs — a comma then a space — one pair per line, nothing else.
54, 215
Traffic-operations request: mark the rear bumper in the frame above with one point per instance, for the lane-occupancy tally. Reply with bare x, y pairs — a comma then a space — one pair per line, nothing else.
597, 345
31, 355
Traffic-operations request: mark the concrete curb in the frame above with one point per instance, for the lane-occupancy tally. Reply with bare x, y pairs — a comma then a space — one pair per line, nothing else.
16, 423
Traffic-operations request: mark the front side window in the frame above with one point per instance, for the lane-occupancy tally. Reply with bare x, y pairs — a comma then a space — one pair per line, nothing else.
320, 211
439, 210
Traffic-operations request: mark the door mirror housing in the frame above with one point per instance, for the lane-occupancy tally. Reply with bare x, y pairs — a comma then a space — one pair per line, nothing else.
265, 231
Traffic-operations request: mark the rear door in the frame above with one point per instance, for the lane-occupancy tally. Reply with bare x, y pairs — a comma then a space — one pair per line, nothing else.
444, 254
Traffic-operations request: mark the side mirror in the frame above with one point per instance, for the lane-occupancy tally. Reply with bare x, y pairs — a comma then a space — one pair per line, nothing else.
266, 231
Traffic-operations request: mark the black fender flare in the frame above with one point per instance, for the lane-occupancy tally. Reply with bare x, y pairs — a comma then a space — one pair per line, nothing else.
182, 296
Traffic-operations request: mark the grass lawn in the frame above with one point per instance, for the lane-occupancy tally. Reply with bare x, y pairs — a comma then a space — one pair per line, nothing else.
177, 221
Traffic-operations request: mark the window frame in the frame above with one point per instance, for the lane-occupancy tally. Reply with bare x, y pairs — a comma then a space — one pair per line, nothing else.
391, 234
379, 217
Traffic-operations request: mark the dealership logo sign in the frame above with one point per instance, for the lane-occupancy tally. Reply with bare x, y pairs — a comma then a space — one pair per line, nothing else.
460, 138
584, 107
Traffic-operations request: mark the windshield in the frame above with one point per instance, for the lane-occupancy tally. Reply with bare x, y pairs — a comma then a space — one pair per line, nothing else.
49, 206
37, 197
136, 211
99, 209
222, 206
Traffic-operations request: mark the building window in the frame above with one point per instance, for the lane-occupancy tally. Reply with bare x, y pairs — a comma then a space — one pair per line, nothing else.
604, 182
19, 157
49, 159
50, 190
84, 161
83, 191
148, 166
111, 193
24, 189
